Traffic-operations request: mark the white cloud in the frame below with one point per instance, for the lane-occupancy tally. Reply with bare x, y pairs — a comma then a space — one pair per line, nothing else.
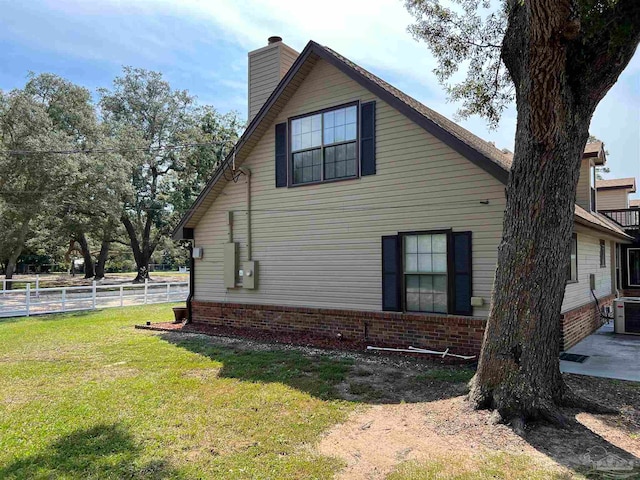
370, 32
374, 34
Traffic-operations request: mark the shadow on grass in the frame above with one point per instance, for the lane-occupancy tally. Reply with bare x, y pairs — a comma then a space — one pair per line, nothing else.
588, 452
103, 451
328, 376
584, 451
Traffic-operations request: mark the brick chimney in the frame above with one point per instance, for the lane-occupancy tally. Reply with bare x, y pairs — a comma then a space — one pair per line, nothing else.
267, 66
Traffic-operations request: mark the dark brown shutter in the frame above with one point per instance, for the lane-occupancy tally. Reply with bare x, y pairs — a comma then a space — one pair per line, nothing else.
368, 138
391, 274
281, 155
461, 276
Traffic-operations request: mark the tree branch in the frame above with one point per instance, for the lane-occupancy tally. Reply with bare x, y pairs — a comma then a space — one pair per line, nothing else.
610, 39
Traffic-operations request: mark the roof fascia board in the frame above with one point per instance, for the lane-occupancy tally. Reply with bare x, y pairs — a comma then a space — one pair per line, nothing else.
618, 187
434, 129
600, 228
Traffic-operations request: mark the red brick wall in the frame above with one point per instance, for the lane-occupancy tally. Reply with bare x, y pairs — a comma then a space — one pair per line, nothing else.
581, 322
631, 292
463, 335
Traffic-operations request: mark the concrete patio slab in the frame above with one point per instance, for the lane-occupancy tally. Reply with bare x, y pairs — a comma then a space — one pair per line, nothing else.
610, 356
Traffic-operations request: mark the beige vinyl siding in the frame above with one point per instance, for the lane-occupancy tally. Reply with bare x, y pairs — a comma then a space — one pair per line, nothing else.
579, 294
264, 75
287, 56
612, 199
320, 245
583, 192
267, 66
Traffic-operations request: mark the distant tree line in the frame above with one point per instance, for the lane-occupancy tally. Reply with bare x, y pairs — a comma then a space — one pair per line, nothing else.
89, 178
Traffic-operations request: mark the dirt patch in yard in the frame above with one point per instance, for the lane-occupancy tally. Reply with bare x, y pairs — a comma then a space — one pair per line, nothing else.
438, 422
412, 420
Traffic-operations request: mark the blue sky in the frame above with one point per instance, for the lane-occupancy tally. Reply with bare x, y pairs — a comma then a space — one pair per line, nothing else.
202, 45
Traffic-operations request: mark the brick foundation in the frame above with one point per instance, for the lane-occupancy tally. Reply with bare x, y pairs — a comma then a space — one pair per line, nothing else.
631, 292
581, 322
463, 335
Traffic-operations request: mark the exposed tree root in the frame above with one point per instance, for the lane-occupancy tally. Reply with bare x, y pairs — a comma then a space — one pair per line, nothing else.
515, 408
551, 413
518, 424
571, 399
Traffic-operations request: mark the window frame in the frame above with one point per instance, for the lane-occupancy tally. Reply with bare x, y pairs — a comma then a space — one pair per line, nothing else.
290, 152
449, 272
574, 238
603, 253
593, 192
629, 267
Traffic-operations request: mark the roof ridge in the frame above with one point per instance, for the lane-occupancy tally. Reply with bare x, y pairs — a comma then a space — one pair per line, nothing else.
493, 152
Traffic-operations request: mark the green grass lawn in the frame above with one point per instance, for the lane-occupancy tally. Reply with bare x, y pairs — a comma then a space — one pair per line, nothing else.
87, 396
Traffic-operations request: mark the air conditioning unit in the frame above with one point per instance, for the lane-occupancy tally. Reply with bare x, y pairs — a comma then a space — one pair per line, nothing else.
627, 315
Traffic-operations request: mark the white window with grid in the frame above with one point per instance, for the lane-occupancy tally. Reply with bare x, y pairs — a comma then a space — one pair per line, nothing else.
425, 272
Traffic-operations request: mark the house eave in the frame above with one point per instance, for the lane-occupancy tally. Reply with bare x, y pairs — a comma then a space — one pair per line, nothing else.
313, 48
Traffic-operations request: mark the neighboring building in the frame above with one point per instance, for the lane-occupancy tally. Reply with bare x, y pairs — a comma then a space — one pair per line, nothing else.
614, 194
614, 201
350, 209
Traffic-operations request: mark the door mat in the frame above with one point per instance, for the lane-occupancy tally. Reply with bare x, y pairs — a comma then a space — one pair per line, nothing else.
573, 357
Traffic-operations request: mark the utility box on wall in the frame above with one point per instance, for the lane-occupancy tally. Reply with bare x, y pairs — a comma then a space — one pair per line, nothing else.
230, 264
250, 275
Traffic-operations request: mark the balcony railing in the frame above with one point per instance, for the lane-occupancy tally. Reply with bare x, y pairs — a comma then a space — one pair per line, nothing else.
629, 218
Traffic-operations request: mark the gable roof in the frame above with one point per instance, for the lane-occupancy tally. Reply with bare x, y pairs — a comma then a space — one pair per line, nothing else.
614, 183
595, 150
598, 221
480, 152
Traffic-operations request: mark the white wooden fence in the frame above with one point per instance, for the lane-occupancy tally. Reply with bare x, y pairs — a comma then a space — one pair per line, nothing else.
29, 301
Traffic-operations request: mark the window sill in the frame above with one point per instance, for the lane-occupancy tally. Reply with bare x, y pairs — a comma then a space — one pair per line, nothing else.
333, 180
413, 312
572, 281
440, 315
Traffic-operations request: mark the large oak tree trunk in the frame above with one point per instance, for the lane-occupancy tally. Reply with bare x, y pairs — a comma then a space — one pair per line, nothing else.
89, 269
142, 251
102, 259
518, 373
17, 250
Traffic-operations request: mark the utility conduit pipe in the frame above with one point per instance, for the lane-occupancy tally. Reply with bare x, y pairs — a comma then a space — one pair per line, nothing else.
247, 172
422, 350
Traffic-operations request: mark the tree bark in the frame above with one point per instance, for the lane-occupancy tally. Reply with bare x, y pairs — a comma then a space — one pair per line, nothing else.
102, 259
141, 253
89, 269
518, 372
15, 253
